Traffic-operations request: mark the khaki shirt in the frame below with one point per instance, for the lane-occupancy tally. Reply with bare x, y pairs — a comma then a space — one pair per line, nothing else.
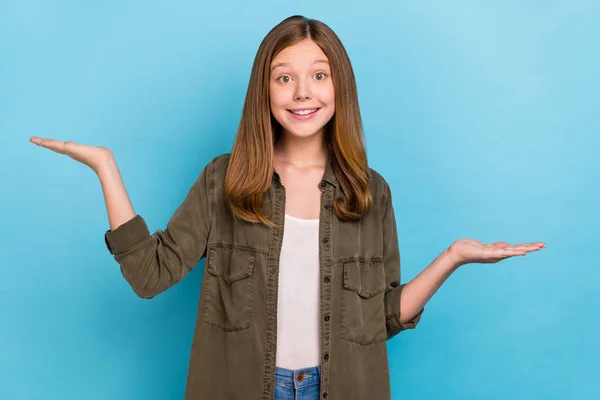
234, 345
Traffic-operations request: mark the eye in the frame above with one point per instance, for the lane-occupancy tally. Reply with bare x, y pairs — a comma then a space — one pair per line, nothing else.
281, 79
322, 74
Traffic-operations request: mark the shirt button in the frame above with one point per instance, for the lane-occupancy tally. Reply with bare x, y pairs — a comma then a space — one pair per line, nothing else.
299, 377
326, 356
327, 206
326, 279
327, 318
325, 240
322, 184
325, 395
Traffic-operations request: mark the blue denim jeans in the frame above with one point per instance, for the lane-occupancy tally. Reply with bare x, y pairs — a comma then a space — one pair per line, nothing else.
299, 384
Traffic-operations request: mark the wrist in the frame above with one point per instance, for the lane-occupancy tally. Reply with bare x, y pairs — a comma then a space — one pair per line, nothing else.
453, 259
108, 172
106, 167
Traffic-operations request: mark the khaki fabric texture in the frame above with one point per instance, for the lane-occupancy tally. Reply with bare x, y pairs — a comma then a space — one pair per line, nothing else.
234, 344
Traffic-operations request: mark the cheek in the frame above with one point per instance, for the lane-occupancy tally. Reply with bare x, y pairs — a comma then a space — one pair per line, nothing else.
329, 99
276, 98
328, 95
277, 105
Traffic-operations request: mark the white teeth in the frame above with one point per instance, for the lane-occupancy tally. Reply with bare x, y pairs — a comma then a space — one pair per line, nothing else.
305, 112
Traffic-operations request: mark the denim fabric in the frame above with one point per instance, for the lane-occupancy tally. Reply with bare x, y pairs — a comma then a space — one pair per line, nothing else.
299, 384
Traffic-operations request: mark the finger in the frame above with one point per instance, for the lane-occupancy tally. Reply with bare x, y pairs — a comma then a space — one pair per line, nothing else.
527, 247
39, 140
494, 252
532, 244
35, 140
517, 250
524, 245
52, 144
497, 244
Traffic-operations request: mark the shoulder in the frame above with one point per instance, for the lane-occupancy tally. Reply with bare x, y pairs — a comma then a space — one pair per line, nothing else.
220, 161
217, 167
380, 189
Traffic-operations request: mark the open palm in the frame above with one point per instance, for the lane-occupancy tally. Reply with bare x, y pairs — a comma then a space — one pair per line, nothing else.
92, 156
473, 251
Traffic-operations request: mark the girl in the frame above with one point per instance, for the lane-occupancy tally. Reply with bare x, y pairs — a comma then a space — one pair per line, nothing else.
301, 288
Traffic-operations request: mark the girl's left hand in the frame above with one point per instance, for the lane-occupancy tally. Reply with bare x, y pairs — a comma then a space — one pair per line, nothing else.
472, 251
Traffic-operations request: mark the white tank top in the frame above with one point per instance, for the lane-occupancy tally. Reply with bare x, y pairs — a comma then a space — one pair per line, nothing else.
298, 326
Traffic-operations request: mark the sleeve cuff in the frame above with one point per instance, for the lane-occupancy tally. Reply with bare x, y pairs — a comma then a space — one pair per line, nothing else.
392, 308
126, 235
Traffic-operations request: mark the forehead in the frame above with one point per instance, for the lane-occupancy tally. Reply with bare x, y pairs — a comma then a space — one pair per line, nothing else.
303, 53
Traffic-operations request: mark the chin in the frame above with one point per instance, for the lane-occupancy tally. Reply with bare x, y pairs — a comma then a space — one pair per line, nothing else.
301, 129
301, 133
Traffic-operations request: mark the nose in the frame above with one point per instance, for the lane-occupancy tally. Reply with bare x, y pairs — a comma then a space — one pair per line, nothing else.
303, 91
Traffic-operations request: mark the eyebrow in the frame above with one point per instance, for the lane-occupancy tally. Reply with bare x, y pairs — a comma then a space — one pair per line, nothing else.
319, 61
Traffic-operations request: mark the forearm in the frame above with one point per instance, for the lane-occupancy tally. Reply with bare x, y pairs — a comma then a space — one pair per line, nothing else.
118, 205
418, 291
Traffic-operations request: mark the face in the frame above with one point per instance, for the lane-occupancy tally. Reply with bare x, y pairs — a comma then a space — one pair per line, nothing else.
301, 89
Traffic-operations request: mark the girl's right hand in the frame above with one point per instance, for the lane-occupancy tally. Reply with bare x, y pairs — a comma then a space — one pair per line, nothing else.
92, 156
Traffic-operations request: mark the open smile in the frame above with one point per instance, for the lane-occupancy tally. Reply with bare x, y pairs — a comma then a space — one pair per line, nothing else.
303, 114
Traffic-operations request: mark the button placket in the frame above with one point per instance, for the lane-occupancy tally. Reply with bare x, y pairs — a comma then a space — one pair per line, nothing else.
269, 361
328, 193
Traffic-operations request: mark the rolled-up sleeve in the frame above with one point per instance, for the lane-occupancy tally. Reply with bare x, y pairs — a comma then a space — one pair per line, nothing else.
152, 263
391, 260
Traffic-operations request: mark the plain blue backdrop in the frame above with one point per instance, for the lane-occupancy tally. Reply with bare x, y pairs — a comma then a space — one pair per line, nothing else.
482, 116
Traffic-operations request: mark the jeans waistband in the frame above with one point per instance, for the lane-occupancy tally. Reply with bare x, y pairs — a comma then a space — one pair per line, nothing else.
298, 378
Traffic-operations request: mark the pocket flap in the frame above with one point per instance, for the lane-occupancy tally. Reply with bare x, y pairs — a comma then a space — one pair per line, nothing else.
367, 278
231, 264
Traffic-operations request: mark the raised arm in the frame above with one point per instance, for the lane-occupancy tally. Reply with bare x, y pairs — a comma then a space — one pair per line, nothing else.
151, 263
405, 302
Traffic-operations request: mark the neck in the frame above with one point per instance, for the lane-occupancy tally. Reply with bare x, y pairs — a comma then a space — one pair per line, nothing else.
301, 152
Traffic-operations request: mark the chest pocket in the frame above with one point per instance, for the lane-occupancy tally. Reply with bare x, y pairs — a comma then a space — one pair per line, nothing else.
229, 288
363, 308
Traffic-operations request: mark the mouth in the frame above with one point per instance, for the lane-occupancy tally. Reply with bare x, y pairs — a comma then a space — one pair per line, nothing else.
303, 114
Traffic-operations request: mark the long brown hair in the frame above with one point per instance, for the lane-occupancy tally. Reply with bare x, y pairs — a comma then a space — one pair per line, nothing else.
251, 164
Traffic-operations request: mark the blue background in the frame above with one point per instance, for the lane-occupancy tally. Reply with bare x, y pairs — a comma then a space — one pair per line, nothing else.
482, 116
